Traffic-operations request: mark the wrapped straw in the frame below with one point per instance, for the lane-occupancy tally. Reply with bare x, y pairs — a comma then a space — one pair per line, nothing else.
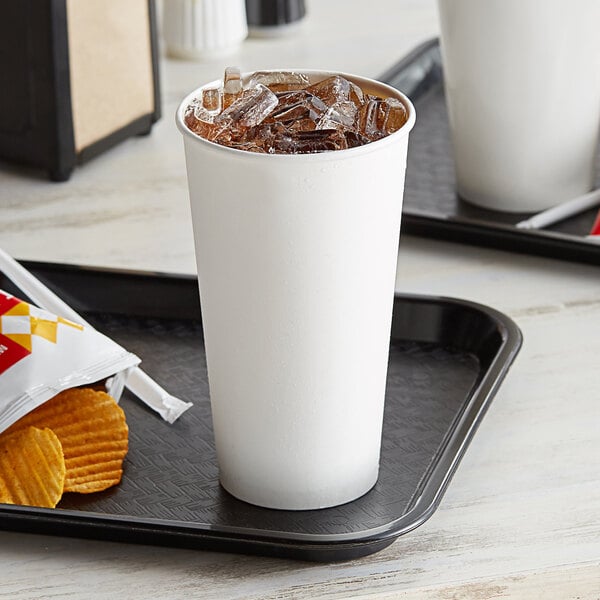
142, 385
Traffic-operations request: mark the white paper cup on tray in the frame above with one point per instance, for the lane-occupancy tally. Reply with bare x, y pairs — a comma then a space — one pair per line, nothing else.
296, 260
522, 84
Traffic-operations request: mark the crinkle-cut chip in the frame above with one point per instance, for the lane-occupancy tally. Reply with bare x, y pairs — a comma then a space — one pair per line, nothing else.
93, 432
32, 467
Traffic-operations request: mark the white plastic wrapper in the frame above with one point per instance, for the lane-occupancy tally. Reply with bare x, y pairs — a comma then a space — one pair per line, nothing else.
42, 354
141, 384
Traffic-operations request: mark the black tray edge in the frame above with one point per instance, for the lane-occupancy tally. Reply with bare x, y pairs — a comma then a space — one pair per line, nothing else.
508, 238
456, 444
41, 522
309, 547
531, 242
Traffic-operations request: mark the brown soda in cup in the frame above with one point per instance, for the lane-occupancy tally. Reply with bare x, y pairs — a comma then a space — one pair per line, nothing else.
282, 112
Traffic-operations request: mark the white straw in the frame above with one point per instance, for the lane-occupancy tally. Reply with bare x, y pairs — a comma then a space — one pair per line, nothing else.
138, 382
562, 211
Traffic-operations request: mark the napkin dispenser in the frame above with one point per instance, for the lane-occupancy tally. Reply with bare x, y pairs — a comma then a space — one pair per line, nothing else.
76, 78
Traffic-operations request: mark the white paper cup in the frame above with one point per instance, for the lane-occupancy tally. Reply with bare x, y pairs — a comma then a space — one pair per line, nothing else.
523, 93
296, 259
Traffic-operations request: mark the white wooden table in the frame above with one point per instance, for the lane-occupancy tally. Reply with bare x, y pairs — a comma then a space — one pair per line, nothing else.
521, 518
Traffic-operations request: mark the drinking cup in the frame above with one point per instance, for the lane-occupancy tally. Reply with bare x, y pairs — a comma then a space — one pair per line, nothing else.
296, 258
522, 80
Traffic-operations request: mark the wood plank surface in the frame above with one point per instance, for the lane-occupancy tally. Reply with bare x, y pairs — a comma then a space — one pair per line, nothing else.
521, 517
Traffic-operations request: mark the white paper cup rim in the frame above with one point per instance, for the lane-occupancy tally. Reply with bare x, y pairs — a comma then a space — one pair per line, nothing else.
385, 91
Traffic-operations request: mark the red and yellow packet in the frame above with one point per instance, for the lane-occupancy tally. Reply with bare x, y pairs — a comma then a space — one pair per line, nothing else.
42, 354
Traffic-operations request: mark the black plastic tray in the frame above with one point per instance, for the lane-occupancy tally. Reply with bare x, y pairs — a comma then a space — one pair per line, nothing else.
431, 206
447, 359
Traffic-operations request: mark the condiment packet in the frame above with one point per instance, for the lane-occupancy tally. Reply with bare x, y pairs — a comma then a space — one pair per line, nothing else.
42, 354
141, 384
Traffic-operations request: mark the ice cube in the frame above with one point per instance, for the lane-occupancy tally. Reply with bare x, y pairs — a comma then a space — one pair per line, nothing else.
252, 107
279, 81
369, 120
261, 135
200, 120
331, 90
355, 139
308, 124
280, 112
340, 115
292, 100
308, 142
211, 100
356, 95
232, 85
292, 113
394, 114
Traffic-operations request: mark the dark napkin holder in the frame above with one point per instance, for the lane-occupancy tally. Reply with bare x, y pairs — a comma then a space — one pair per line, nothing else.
76, 78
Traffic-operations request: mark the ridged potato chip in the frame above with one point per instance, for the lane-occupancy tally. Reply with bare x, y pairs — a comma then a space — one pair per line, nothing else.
32, 468
93, 432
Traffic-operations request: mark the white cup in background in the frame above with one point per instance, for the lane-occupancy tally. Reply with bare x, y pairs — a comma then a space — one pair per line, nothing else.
296, 259
203, 29
523, 93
